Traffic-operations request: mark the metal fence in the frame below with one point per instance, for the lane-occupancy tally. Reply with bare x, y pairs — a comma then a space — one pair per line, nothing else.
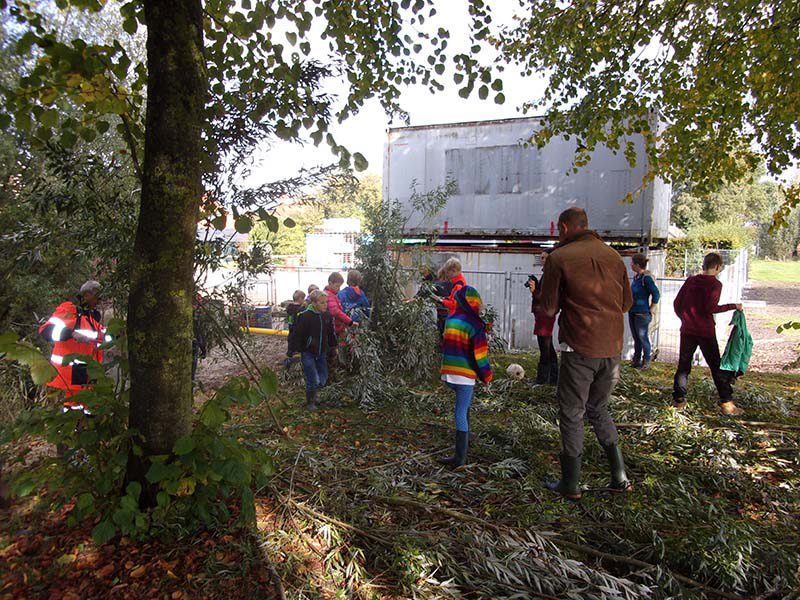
506, 292
733, 278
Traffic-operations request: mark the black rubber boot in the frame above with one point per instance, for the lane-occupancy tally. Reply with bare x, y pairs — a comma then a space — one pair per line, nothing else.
460, 457
311, 400
619, 480
568, 486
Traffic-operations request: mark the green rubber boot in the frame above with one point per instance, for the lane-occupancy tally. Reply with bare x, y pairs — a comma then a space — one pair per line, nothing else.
619, 479
568, 486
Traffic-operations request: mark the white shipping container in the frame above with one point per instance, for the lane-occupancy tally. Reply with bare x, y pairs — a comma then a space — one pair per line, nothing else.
506, 189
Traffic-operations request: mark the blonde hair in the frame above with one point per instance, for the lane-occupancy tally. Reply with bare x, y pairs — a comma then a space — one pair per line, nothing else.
335, 278
316, 295
450, 269
354, 278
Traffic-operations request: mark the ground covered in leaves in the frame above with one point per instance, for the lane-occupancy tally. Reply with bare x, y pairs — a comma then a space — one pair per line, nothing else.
360, 508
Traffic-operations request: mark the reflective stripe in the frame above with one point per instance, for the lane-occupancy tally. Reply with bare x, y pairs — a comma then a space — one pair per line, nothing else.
89, 333
67, 408
58, 327
108, 338
59, 360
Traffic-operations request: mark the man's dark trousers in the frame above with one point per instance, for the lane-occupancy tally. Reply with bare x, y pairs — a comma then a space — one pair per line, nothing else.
710, 349
584, 388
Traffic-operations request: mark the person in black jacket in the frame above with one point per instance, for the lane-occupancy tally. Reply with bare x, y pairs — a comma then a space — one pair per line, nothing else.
314, 338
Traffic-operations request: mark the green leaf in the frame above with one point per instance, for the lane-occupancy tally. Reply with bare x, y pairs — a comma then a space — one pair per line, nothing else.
218, 222
102, 126
212, 415
483, 92
184, 445
360, 162
162, 499
292, 37
41, 369
499, 98
134, 490
49, 118
103, 532
268, 384
243, 224
289, 222
5, 121
85, 502
130, 25
160, 471
25, 488
68, 139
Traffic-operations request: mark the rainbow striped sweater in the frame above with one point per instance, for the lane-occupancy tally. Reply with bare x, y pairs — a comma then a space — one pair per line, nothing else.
465, 351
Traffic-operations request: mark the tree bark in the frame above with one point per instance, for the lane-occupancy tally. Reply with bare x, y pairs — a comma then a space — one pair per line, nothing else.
162, 282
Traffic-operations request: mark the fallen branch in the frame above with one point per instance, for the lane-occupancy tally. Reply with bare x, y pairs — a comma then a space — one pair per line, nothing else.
555, 539
323, 517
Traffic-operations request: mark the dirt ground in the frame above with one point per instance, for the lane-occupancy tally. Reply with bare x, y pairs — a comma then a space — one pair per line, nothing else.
773, 351
219, 366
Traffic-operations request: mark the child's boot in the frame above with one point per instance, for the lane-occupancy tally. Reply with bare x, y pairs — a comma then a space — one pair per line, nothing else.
311, 400
460, 457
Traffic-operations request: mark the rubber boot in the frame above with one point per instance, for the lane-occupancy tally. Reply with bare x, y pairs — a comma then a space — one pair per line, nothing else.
460, 457
568, 486
311, 400
619, 480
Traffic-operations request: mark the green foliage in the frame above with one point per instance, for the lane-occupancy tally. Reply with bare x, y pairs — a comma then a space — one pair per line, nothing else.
705, 238
781, 243
713, 74
209, 469
722, 236
746, 202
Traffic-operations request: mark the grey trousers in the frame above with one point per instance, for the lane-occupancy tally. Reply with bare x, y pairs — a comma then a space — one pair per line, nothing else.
584, 388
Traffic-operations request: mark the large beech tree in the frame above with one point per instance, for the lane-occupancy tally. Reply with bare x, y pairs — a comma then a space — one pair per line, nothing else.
221, 76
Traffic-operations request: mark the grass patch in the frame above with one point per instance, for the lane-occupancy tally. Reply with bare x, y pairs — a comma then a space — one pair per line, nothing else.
777, 271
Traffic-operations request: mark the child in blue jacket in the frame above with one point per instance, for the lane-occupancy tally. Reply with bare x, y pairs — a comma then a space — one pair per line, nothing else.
354, 301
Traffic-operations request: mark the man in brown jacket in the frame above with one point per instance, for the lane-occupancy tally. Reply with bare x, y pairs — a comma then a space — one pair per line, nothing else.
587, 281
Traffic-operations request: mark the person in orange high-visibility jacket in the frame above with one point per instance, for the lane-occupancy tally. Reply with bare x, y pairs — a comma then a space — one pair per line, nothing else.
75, 329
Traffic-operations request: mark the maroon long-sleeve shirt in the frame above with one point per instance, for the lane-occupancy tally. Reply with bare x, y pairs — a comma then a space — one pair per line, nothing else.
696, 304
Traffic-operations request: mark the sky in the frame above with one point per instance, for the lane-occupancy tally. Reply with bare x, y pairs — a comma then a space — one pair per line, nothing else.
366, 131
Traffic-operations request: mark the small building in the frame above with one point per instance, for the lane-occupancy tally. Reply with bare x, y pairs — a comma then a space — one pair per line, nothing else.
333, 244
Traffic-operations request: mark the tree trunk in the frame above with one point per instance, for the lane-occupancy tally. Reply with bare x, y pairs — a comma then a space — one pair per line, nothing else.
162, 278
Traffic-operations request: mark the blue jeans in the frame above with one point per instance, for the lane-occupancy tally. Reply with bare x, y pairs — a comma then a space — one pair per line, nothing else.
640, 330
315, 370
463, 400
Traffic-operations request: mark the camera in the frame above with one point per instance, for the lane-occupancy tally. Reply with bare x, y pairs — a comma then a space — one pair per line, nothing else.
531, 277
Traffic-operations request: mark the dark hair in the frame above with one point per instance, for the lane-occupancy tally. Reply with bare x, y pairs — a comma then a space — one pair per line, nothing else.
335, 278
711, 260
299, 296
575, 217
640, 260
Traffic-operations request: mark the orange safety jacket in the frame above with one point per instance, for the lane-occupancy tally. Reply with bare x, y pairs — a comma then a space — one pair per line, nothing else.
73, 376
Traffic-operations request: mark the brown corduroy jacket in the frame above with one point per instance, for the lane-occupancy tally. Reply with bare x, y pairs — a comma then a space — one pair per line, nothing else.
588, 282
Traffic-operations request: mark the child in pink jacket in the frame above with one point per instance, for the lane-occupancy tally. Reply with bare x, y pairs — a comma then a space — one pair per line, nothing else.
340, 319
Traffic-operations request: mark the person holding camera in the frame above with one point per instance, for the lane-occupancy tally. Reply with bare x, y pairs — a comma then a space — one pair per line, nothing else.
547, 370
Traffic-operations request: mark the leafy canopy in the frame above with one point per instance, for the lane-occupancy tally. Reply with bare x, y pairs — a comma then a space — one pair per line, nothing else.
722, 78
